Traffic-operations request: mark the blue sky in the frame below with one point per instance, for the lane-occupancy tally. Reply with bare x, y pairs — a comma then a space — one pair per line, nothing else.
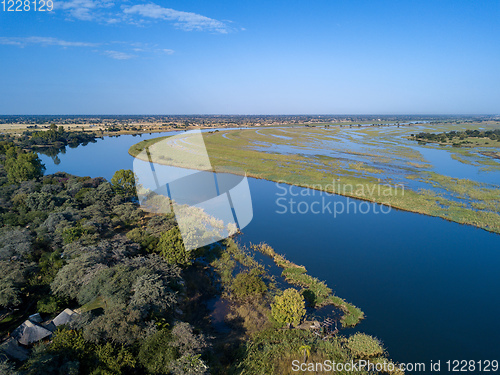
252, 57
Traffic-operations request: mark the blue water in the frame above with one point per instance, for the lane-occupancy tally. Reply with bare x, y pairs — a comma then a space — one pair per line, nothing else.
428, 287
100, 159
444, 164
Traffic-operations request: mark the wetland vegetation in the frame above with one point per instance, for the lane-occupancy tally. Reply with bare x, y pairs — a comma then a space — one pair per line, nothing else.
342, 158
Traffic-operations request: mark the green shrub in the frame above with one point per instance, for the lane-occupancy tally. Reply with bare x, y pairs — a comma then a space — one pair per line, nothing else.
72, 234
288, 308
82, 193
248, 284
364, 346
48, 305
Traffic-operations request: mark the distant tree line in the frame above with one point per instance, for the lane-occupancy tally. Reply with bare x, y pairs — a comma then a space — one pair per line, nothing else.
50, 142
55, 137
456, 136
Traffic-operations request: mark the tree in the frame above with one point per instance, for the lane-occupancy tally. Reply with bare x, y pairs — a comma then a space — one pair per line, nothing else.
11, 280
113, 360
171, 247
151, 294
14, 242
118, 324
157, 353
128, 213
70, 354
123, 182
186, 340
174, 352
22, 166
288, 308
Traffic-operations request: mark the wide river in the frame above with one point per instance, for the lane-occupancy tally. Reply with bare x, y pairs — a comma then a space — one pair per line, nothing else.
429, 287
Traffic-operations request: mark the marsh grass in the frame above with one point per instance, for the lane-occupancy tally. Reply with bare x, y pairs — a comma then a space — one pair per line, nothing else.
244, 150
316, 292
273, 352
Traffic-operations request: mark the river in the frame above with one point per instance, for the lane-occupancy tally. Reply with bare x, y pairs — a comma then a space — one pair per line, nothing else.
428, 287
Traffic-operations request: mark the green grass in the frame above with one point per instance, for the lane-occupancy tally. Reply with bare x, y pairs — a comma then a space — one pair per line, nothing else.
8, 319
97, 303
316, 291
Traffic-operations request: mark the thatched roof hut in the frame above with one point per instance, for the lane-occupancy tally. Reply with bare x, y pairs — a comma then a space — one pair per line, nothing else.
13, 350
29, 333
63, 318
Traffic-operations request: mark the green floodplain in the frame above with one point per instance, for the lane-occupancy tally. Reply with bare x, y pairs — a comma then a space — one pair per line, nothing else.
380, 163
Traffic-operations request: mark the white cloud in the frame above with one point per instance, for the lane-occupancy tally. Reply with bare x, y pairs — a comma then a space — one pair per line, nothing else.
85, 10
117, 55
44, 41
143, 49
108, 12
183, 20
11, 41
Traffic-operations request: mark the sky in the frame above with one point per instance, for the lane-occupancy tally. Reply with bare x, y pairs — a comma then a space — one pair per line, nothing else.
251, 57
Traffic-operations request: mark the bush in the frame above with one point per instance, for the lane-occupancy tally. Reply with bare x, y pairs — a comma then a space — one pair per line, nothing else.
364, 346
248, 284
50, 304
72, 234
289, 308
